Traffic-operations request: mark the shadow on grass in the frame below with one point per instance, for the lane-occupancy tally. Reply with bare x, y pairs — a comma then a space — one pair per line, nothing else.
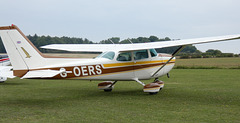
8, 83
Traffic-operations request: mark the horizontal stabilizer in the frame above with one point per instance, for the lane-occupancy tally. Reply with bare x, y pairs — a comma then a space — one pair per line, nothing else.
41, 74
136, 46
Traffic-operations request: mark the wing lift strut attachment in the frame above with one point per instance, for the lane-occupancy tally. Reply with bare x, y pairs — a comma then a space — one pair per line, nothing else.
173, 55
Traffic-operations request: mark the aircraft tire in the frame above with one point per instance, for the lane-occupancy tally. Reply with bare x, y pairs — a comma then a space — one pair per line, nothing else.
107, 90
153, 93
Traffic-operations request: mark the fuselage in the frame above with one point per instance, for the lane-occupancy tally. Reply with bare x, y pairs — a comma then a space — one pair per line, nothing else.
112, 65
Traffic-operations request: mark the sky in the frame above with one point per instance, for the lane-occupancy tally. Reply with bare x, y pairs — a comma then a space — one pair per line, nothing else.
98, 20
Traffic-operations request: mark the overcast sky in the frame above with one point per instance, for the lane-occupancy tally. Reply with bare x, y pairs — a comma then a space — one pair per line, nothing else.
97, 20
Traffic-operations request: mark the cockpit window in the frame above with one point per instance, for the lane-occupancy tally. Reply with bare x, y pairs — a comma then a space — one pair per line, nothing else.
141, 54
153, 52
124, 56
107, 55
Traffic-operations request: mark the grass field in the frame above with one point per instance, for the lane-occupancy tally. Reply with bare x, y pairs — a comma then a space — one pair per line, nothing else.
220, 63
190, 95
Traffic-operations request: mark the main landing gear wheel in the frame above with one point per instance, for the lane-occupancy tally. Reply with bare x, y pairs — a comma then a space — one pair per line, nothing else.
154, 88
153, 93
107, 86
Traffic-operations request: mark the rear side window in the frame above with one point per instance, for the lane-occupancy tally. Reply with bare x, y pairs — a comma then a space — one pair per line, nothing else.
124, 56
141, 54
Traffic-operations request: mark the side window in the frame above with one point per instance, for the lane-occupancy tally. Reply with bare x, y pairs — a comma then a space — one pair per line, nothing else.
124, 56
153, 52
142, 54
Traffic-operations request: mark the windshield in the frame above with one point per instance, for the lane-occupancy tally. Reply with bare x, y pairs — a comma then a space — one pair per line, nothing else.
108, 55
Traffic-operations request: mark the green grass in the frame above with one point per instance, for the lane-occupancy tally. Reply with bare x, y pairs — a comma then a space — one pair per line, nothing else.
209, 63
190, 95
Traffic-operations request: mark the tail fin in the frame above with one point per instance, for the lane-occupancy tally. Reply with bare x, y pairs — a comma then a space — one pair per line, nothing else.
22, 53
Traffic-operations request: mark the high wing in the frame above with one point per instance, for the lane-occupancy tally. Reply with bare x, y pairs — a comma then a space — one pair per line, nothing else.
137, 46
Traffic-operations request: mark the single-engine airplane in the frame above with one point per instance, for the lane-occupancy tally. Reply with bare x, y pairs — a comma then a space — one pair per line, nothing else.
5, 70
118, 62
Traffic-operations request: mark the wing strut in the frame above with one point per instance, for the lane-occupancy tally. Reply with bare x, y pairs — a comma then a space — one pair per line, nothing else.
173, 55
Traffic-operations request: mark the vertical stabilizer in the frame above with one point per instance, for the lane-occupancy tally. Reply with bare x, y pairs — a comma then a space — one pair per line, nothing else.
22, 53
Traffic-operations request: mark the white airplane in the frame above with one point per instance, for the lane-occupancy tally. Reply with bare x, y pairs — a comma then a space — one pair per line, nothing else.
5, 70
118, 62
4, 60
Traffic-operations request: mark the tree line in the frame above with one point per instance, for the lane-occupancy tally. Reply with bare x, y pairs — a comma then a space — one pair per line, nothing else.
211, 53
39, 41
